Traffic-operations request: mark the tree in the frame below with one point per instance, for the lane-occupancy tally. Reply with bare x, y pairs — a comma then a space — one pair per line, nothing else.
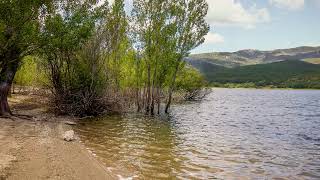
191, 27
25, 28
116, 40
71, 47
167, 31
86, 45
19, 26
151, 26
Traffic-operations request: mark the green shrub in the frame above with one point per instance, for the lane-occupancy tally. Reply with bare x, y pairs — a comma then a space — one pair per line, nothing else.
30, 73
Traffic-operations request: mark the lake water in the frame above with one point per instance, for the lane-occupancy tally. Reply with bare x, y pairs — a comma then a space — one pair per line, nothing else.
232, 134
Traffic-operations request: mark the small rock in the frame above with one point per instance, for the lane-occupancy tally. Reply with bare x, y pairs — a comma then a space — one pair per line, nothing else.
69, 136
70, 123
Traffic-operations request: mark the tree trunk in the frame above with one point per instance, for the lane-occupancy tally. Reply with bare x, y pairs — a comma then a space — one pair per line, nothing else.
171, 88
138, 99
158, 100
4, 106
148, 90
6, 77
144, 97
10, 93
153, 93
152, 101
154, 84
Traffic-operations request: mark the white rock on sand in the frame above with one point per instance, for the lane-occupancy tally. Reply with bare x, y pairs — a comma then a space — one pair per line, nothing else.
69, 136
70, 123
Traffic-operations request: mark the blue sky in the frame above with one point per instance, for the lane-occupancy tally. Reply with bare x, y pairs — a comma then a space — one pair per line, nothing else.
261, 24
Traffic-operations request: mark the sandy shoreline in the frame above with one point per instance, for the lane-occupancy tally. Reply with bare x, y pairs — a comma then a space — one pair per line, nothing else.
34, 149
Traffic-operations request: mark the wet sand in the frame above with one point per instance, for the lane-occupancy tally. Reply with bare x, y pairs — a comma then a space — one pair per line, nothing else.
34, 149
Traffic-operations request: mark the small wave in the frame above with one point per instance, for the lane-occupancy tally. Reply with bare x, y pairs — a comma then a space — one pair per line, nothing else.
308, 138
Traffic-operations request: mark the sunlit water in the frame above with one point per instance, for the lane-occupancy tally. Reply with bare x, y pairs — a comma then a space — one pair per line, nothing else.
232, 134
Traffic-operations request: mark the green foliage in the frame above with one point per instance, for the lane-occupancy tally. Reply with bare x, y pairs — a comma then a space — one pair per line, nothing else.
88, 50
30, 74
165, 32
190, 79
129, 76
72, 50
19, 27
191, 84
18, 23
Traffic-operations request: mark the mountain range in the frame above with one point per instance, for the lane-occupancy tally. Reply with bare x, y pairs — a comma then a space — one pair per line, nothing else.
296, 67
252, 56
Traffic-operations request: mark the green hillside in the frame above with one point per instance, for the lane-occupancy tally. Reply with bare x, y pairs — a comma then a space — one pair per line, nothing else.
285, 74
204, 66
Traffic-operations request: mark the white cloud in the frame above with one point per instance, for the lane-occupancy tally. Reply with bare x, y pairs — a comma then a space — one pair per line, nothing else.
232, 12
213, 38
288, 4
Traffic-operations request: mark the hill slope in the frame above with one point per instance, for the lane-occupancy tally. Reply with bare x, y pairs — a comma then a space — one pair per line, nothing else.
206, 67
290, 73
252, 57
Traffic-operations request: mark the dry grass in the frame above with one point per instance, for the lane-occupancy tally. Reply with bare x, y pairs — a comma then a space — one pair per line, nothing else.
313, 60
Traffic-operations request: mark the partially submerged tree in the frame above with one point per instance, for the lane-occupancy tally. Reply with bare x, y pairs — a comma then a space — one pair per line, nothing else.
191, 84
150, 24
191, 27
167, 31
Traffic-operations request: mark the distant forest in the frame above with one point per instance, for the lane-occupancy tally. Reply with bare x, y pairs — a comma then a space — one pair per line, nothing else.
284, 74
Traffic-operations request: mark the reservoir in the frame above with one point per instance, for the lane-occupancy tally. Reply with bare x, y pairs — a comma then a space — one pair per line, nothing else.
231, 134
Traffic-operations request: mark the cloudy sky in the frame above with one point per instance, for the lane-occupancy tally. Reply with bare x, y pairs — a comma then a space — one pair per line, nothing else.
260, 24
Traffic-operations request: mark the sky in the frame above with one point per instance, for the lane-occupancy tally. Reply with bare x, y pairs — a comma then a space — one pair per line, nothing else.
260, 24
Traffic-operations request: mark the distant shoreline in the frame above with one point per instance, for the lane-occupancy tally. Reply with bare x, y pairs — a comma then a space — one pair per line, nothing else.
265, 87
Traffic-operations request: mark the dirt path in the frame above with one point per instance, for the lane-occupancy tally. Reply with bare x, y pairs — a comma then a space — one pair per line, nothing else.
35, 150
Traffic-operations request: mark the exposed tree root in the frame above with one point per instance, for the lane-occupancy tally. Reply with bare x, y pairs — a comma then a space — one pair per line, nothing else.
13, 117
24, 116
7, 117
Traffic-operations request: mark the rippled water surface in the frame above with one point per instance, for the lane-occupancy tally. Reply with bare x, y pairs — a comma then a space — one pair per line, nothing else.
232, 134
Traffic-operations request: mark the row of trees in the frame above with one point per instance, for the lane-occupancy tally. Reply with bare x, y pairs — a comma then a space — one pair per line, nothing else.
94, 54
